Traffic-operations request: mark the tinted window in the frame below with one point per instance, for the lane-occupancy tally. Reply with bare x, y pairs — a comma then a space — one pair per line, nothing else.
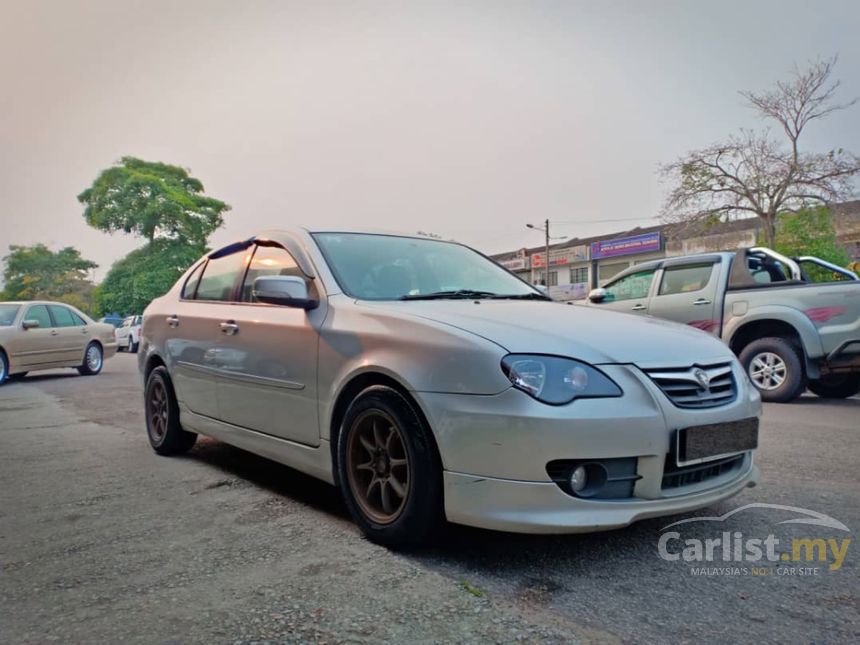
62, 316
685, 279
40, 313
219, 276
7, 314
268, 260
387, 267
635, 285
78, 320
191, 284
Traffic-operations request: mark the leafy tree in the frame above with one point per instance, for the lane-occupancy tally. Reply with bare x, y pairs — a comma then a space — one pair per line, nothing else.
752, 173
37, 273
153, 200
810, 232
144, 274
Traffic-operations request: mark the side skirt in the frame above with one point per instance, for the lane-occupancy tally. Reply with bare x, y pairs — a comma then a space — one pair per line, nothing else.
312, 461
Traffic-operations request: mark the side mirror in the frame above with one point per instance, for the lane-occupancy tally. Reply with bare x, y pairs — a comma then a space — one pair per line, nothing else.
285, 290
30, 324
597, 295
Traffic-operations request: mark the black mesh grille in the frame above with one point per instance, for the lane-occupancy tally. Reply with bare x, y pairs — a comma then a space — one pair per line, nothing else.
675, 476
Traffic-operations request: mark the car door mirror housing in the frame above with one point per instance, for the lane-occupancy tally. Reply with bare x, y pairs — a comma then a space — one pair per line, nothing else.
284, 290
30, 324
597, 295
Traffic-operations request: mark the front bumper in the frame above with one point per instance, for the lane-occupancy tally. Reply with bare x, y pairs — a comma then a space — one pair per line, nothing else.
495, 451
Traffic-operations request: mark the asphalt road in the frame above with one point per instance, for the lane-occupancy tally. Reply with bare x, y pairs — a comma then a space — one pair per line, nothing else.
103, 541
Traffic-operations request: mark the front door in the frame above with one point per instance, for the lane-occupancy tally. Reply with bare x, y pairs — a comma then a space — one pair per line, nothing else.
629, 293
688, 294
38, 346
268, 358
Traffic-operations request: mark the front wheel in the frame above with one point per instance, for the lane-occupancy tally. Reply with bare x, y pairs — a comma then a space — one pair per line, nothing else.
390, 473
836, 386
774, 366
165, 433
93, 360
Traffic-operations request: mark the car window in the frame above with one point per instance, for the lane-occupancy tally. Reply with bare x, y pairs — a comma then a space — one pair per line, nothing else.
765, 270
7, 314
268, 260
685, 279
39, 313
62, 316
631, 286
78, 320
191, 283
219, 276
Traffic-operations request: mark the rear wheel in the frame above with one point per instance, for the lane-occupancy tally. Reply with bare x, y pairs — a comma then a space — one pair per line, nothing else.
132, 346
165, 433
93, 360
389, 471
775, 368
4, 367
836, 386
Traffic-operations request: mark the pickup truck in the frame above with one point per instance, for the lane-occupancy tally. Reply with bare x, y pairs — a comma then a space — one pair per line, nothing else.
794, 323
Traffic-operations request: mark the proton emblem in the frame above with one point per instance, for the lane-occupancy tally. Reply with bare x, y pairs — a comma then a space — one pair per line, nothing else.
702, 377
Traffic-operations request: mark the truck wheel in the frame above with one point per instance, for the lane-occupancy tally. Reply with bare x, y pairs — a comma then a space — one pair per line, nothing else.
836, 386
775, 368
132, 346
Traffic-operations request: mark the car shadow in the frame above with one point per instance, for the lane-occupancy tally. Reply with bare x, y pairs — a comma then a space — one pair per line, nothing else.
270, 475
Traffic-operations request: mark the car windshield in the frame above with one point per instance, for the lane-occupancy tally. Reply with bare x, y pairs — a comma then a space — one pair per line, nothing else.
7, 314
388, 267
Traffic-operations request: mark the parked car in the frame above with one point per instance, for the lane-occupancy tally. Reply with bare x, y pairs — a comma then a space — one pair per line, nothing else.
46, 335
112, 319
429, 383
128, 334
793, 323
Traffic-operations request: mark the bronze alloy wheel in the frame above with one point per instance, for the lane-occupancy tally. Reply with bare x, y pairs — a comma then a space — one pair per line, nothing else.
157, 411
378, 466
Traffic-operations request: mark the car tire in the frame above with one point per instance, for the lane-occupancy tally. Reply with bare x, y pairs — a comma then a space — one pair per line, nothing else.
93, 360
775, 368
132, 346
389, 470
835, 386
163, 429
4, 367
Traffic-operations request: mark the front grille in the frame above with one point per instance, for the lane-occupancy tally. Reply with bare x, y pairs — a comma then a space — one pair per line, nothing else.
696, 387
675, 476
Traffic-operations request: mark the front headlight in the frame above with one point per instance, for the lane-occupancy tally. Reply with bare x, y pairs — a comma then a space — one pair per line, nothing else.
556, 380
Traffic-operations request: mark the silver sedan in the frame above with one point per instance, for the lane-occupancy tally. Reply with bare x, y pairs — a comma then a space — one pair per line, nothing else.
429, 383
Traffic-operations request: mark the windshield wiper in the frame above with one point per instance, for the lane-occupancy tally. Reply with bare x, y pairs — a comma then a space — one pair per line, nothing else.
521, 296
456, 293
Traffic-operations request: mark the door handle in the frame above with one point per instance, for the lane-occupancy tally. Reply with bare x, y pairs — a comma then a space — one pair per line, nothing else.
173, 320
639, 307
84, 330
702, 301
229, 327
54, 332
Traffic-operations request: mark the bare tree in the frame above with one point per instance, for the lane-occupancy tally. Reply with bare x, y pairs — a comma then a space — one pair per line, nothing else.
753, 172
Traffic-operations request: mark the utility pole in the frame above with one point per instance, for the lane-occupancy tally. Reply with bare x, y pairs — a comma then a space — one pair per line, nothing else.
545, 229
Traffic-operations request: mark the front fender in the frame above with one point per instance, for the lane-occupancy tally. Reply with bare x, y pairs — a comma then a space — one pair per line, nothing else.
807, 332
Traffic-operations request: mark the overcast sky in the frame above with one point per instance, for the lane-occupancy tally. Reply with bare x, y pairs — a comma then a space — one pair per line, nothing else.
465, 119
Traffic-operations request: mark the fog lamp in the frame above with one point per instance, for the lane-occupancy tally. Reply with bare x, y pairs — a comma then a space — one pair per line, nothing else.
578, 479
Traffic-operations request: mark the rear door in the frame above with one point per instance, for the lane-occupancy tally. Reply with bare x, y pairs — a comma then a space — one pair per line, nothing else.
39, 346
191, 331
687, 293
630, 293
268, 357
70, 338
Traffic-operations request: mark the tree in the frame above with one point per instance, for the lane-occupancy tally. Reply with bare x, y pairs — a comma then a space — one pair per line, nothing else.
36, 272
751, 173
144, 274
810, 232
152, 199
